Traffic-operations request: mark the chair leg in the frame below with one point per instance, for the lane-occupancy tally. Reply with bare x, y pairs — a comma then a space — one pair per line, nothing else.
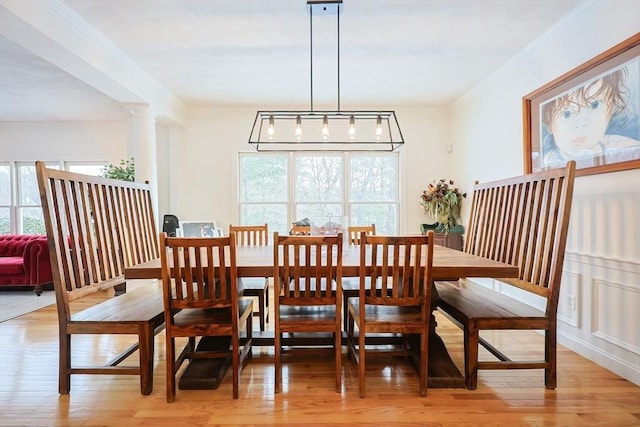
345, 311
145, 348
261, 309
235, 363
361, 357
550, 378
424, 362
338, 350
171, 370
278, 363
471, 338
64, 363
249, 328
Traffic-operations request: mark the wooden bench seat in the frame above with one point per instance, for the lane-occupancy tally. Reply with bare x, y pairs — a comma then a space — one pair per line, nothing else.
466, 300
133, 307
97, 227
521, 221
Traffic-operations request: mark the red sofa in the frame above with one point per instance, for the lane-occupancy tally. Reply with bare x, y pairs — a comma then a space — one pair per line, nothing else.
24, 261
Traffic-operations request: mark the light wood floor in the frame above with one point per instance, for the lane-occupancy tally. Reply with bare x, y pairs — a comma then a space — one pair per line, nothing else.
586, 395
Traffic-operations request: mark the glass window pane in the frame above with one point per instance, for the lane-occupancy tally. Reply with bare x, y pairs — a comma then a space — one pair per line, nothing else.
31, 221
94, 169
5, 185
28, 185
263, 178
5, 223
307, 210
383, 215
274, 215
374, 178
319, 178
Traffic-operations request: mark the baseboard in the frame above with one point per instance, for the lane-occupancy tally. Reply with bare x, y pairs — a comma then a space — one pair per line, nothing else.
608, 361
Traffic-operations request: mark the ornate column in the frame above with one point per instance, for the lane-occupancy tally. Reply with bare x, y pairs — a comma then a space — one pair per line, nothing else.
141, 145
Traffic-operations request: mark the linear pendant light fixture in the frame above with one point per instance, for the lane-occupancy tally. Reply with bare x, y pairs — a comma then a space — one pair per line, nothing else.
325, 130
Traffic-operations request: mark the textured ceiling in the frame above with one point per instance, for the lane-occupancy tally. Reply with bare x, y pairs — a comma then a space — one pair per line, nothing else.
256, 52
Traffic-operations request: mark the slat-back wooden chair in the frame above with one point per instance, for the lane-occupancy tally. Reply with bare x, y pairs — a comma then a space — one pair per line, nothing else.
351, 285
394, 297
307, 292
355, 230
521, 221
255, 235
97, 227
202, 299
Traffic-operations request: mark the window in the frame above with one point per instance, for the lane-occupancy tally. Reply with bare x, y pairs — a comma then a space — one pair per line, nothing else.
264, 190
20, 205
29, 208
352, 188
6, 184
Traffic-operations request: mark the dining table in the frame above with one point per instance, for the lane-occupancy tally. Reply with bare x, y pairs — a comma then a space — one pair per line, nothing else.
257, 261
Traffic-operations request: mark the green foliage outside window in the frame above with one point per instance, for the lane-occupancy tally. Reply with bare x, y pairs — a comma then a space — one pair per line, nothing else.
126, 171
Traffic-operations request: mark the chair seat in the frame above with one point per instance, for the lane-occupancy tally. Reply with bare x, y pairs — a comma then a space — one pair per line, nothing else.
219, 316
309, 312
383, 316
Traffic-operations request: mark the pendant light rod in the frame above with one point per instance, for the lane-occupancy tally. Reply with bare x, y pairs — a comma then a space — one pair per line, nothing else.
311, 4
311, 51
338, 21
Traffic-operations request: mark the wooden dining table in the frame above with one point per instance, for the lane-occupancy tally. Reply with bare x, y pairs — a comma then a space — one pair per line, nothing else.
257, 261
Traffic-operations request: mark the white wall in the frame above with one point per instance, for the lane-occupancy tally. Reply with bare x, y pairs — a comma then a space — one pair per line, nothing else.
602, 266
88, 141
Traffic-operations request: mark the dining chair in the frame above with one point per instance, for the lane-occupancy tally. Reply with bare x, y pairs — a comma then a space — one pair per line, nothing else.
355, 230
301, 230
307, 273
255, 235
201, 299
396, 299
351, 285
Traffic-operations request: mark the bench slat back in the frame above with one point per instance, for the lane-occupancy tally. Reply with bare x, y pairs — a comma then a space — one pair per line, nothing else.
523, 221
96, 227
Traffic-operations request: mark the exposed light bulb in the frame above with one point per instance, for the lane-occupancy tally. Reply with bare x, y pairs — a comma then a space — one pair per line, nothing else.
298, 132
352, 128
271, 131
325, 128
378, 127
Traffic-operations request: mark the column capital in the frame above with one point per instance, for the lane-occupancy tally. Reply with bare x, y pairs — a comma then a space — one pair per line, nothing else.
139, 111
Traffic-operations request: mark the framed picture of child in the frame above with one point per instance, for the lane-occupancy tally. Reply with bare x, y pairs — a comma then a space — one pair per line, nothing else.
590, 114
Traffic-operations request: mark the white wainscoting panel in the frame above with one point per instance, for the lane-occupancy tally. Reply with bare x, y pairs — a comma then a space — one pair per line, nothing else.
569, 302
615, 314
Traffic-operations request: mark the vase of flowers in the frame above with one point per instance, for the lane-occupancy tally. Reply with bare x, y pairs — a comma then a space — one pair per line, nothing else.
442, 200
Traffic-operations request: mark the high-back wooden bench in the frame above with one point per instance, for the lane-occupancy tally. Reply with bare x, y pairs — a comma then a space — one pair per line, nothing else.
97, 227
521, 221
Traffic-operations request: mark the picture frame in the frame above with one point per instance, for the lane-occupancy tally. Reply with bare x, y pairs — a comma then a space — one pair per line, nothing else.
590, 114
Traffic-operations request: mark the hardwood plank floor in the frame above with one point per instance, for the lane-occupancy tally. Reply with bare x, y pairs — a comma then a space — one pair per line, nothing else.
586, 395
